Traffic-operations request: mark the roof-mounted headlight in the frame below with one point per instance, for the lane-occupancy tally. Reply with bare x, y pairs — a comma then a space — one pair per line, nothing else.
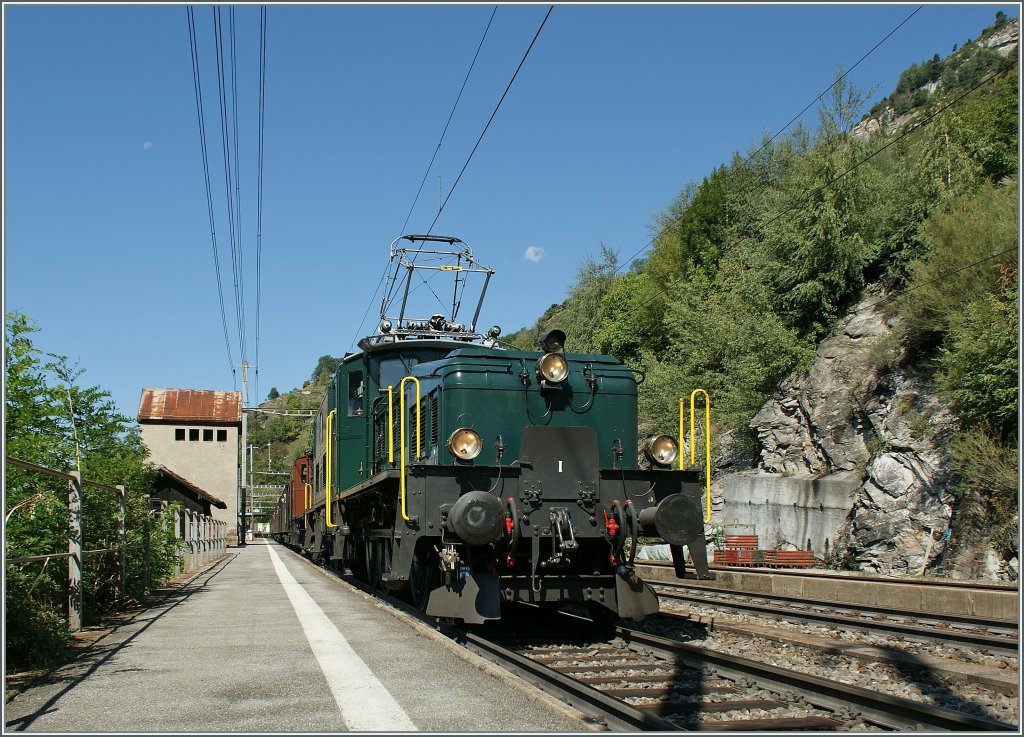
465, 444
552, 341
661, 450
552, 368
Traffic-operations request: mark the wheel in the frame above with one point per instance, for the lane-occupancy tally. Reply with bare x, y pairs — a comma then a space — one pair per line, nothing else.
601, 615
374, 564
424, 576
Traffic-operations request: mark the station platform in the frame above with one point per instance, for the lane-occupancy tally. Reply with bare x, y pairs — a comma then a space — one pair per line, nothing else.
265, 641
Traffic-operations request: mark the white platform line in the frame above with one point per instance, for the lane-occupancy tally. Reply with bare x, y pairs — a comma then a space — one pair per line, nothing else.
364, 702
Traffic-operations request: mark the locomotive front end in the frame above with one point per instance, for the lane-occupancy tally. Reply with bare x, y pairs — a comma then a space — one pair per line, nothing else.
527, 487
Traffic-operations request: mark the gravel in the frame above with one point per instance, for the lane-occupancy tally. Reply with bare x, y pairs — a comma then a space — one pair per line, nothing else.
917, 684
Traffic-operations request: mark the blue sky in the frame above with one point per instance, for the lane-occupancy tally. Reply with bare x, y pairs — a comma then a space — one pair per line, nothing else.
107, 240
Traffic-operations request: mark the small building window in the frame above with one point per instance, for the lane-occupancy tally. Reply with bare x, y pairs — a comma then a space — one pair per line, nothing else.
222, 436
193, 433
207, 435
179, 433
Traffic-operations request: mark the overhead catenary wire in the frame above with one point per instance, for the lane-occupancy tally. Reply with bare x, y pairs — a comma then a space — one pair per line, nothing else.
828, 89
673, 221
206, 178
928, 119
237, 157
259, 185
491, 119
440, 140
226, 147
437, 150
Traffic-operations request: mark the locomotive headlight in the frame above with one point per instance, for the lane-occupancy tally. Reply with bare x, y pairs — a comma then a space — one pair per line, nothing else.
553, 367
662, 450
465, 444
552, 341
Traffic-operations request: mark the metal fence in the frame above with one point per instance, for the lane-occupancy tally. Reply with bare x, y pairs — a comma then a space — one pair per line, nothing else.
199, 539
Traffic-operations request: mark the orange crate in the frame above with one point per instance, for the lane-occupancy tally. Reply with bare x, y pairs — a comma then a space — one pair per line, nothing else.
739, 557
741, 541
791, 558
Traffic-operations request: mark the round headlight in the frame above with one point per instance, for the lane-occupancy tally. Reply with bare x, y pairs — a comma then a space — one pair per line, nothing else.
465, 444
662, 450
553, 367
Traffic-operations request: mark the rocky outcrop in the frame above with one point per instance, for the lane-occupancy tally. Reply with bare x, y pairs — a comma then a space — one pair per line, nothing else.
1004, 41
869, 437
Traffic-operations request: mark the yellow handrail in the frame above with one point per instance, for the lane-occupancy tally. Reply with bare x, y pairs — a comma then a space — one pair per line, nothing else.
682, 437
307, 496
401, 431
391, 425
707, 442
327, 486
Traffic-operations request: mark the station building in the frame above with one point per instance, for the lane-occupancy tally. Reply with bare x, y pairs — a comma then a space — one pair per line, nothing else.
194, 435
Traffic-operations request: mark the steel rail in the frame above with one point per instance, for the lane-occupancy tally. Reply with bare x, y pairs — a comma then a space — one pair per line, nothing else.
880, 709
615, 713
831, 575
1010, 624
961, 636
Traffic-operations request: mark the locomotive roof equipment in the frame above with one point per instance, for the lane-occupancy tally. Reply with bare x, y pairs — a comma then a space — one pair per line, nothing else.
444, 469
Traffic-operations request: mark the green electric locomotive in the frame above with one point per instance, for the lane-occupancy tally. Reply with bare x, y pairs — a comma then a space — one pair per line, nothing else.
463, 473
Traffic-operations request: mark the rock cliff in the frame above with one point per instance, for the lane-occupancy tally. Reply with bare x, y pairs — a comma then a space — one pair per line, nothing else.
861, 436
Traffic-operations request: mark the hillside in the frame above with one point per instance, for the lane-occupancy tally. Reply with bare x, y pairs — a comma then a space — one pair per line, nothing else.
903, 227
288, 437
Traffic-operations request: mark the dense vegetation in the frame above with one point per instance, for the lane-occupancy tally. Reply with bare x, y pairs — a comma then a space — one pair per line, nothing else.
52, 420
751, 267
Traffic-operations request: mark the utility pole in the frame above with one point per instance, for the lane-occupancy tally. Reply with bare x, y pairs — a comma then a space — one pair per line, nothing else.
252, 468
245, 442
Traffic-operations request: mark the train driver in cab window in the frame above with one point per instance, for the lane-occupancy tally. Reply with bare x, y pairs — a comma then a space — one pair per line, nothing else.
355, 394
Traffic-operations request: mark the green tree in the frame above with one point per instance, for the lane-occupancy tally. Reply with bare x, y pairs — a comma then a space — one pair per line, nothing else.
817, 237
273, 394
54, 421
978, 366
978, 231
326, 365
580, 314
692, 232
631, 318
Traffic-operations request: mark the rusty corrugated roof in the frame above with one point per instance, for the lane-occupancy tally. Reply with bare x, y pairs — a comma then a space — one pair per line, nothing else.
190, 405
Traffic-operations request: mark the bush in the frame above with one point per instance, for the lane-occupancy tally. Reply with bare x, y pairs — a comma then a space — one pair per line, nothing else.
988, 470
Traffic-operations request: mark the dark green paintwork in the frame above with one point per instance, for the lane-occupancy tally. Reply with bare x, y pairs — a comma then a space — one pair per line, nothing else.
481, 388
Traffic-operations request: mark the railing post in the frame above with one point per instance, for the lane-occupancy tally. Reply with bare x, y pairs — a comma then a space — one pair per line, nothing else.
178, 523
75, 552
121, 542
163, 534
146, 525
191, 541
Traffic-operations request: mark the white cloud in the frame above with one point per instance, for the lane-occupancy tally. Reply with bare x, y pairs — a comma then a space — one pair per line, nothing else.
534, 253
147, 145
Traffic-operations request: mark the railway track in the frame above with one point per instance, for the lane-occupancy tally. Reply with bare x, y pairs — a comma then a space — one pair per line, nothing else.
1000, 635
627, 679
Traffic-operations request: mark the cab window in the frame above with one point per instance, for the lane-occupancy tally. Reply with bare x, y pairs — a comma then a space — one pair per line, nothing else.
355, 394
